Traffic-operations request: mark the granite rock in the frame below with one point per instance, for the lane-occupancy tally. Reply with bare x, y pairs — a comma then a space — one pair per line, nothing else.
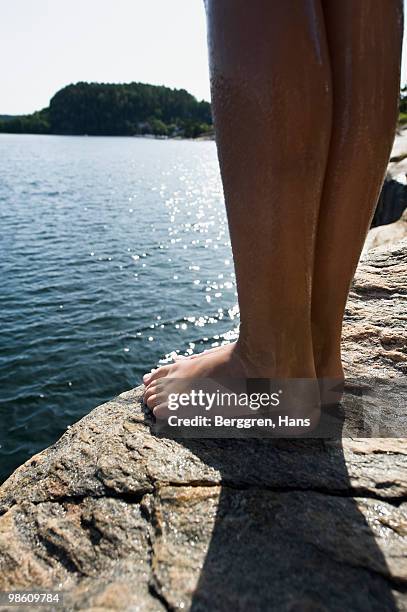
386, 235
117, 518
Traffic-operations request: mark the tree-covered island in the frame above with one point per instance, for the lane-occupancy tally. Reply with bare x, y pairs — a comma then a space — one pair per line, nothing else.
105, 109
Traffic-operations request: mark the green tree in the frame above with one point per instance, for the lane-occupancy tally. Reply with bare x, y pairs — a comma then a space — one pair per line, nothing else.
123, 110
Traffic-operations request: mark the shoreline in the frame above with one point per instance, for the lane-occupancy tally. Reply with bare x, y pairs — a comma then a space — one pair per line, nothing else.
141, 136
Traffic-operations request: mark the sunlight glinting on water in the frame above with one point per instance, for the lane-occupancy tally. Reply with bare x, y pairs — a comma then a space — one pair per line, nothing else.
114, 255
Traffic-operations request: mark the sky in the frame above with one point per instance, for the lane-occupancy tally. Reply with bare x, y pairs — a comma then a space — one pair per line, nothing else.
47, 44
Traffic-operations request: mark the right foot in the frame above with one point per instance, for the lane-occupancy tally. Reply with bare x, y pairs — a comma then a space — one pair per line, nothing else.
330, 380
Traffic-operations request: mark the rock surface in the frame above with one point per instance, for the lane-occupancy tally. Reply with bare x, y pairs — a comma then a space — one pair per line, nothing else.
393, 197
397, 167
386, 235
119, 519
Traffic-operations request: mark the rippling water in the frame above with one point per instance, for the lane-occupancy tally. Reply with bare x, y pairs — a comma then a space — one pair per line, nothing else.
113, 253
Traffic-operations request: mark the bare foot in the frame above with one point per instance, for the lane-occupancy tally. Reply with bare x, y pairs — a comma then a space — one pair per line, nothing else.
205, 352
331, 376
221, 365
218, 365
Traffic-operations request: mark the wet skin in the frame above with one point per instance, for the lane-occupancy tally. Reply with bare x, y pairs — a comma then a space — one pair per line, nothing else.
305, 104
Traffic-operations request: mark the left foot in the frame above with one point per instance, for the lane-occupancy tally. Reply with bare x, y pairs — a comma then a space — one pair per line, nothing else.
219, 365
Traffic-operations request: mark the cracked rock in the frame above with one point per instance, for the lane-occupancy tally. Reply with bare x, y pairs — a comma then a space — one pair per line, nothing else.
119, 519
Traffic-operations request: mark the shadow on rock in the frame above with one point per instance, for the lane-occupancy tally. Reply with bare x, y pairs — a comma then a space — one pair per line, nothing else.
286, 531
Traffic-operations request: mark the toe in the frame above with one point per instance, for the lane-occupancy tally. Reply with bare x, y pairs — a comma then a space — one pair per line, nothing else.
150, 390
154, 374
147, 376
156, 399
152, 400
160, 410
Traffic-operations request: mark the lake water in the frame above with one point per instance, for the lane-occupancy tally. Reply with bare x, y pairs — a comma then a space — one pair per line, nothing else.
113, 252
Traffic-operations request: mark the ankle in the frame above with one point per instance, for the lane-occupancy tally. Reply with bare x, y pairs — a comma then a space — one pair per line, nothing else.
327, 351
269, 361
328, 363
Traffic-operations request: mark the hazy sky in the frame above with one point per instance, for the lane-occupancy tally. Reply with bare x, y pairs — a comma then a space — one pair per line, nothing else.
46, 44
